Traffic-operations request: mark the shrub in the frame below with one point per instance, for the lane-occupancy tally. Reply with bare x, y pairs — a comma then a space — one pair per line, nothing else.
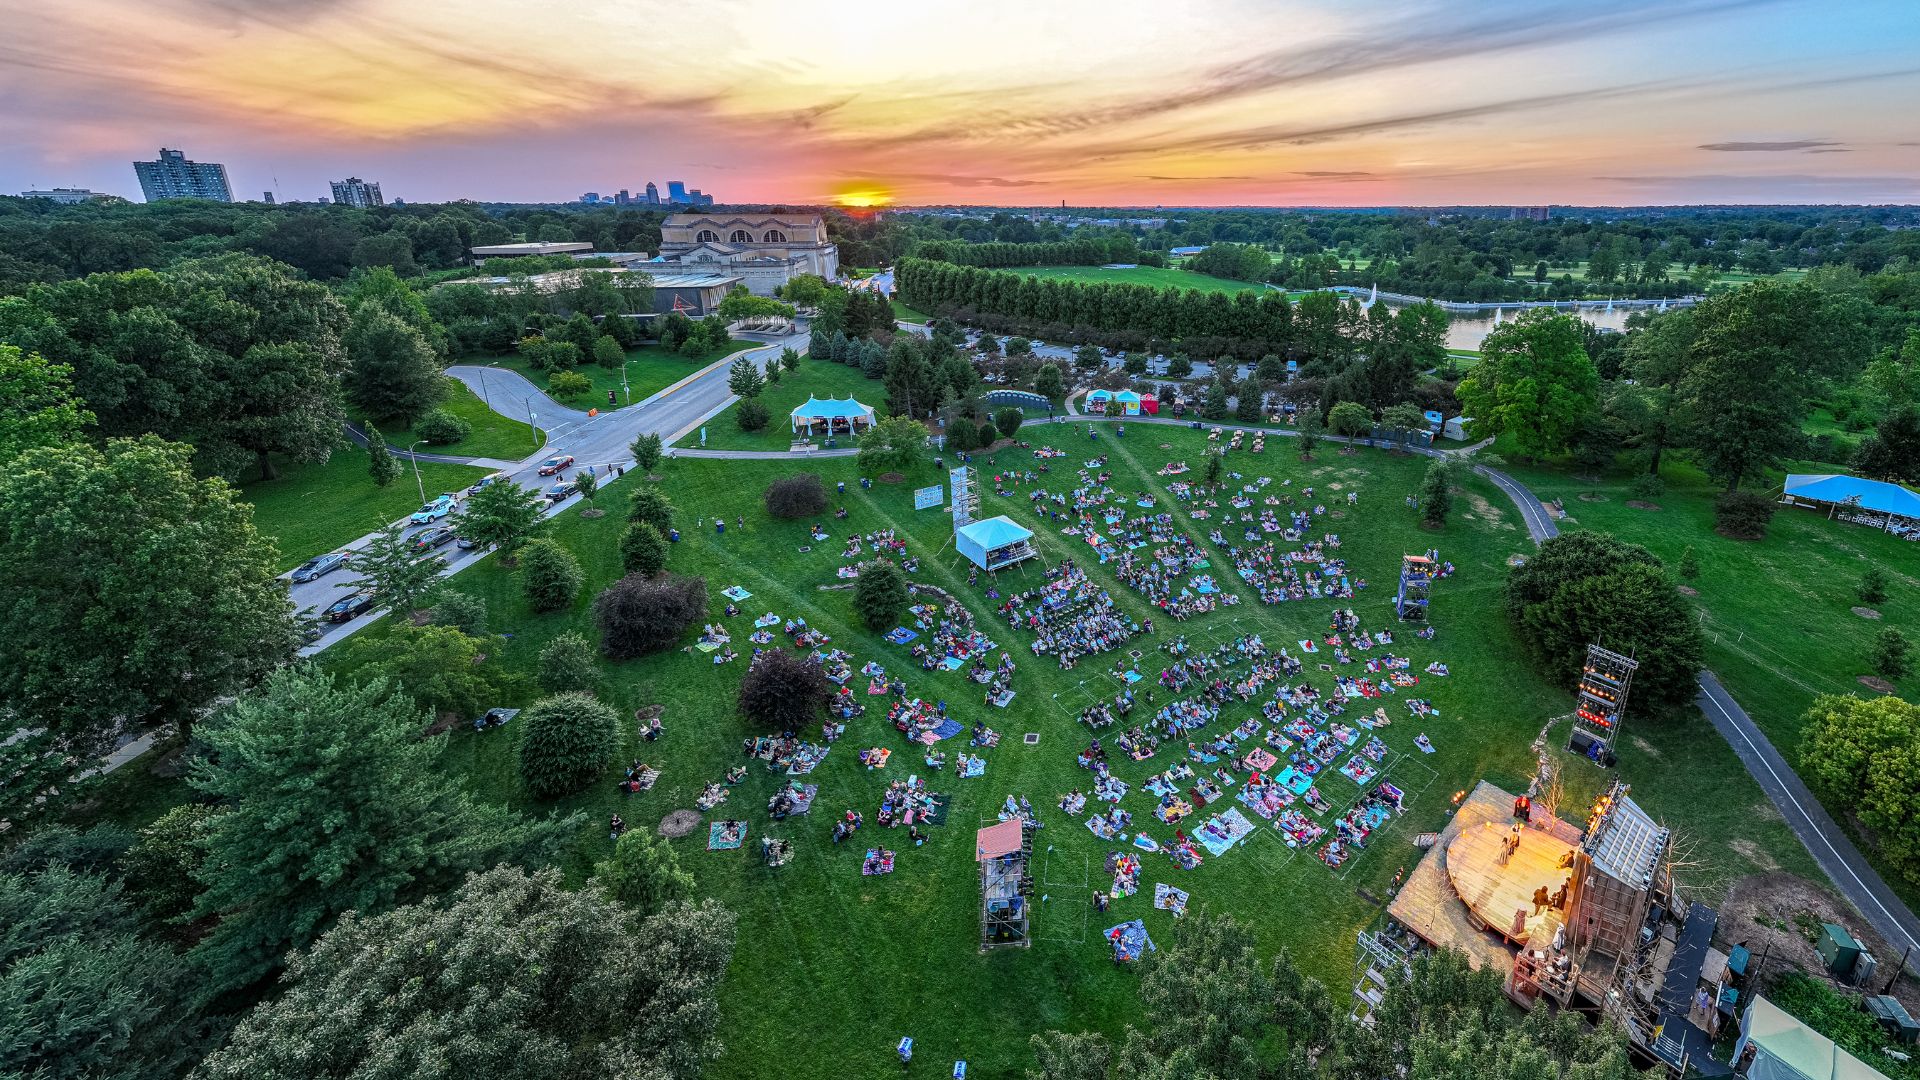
1436, 495
642, 550
607, 352
752, 415
550, 575
1647, 487
1889, 656
651, 505
1742, 515
568, 384
464, 612
565, 741
441, 428
962, 436
1873, 586
988, 435
567, 665
792, 497
644, 874
1008, 420
161, 866
784, 691
1689, 565
880, 593
638, 616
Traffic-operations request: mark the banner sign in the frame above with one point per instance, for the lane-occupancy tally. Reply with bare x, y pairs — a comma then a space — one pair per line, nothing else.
927, 498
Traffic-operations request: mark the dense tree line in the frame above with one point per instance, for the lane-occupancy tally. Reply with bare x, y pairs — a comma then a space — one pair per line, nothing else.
1079, 251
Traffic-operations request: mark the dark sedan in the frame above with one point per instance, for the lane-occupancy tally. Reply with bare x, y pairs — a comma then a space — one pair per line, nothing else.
349, 607
428, 539
319, 566
561, 490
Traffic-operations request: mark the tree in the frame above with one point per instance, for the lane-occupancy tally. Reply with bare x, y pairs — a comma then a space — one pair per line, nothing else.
1582, 588
644, 875
162, 867
1088, 357
740, 304
336, 804
1742, 515
1436, 495
643, 550
962, 436
1061, 1055
1873, 585
1048, 383
395, 374
502, 514
542, 354
380, 463
792, 497
1862, 754
161, 595
567, 665
651, 505
1213, 404
1534, 381
1249, 404
1689, 565
1019, 346
1008, 421
397, 574
442, 428
607, 352
1309, 427
638, 616
82, 995
510, 974
1658, 357
744, 379
586, 482
565, 742
647, 452
880, 593
1403, 420
784, 692
438, 666
462, 611
1889, 656
892, 445
1350, 419
1135, 364
568, 384
1180, 366
1212, 465
549, 575
752, 414
38, 406
1892, 452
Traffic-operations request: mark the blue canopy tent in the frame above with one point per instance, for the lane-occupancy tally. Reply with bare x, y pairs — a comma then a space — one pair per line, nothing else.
1889, 503
1096, 401
831, 415
994, 543
1128, 401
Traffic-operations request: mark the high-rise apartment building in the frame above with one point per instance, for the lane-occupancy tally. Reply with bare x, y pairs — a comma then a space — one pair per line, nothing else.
677, 192
174, 177
653, 195
354, 191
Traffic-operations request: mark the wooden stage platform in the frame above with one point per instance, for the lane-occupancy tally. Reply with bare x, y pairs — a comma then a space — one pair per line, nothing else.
1498, 888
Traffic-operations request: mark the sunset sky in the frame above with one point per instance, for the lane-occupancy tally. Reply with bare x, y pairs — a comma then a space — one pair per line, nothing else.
1114, 102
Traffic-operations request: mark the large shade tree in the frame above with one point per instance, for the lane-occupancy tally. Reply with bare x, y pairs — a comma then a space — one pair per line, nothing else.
1534, 382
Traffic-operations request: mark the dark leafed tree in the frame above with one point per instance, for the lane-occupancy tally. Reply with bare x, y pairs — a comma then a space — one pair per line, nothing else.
160, 592
336, 804
793, 497
783, 691
509, 975
637, 616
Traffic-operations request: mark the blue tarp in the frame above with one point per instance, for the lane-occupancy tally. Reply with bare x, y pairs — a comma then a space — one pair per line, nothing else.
1838, 488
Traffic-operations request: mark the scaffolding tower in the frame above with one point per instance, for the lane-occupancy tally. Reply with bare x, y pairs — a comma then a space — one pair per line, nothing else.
1600, 703
1006, 895
966, 498
1416, 581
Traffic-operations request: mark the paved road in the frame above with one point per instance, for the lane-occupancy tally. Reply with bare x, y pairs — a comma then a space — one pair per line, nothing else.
599, 442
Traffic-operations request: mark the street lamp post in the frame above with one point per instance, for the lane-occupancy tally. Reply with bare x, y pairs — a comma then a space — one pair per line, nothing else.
421, 484
624, 385
484, 395
531, 426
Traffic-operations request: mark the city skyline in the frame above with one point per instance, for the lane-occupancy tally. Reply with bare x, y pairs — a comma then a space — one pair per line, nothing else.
1130, 104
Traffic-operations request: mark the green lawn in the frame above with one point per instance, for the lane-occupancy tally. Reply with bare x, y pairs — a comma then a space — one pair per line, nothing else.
909, 314
649, 369
857, 961
493, 435
1153, 276
815, 378
314, 508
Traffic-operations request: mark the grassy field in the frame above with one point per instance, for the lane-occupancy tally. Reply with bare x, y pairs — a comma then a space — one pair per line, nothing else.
1153, 276
816, 378
909, 314
833, 967
314, 508
649, 369
493, 435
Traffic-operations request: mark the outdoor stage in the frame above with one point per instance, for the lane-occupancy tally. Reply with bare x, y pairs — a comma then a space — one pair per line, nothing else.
1498, 888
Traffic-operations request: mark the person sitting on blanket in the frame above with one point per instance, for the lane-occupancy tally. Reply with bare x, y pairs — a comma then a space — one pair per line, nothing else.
615, 826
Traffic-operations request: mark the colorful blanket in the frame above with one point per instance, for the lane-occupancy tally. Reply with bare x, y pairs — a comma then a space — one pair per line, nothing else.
726, 835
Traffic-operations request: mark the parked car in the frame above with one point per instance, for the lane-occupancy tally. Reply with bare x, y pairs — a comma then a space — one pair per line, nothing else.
555, 463
348, 607
433, 511
486, 482
561, 490
465, 543
428, 539
319, 566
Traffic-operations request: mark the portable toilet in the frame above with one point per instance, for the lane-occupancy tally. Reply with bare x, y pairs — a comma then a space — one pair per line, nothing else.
1456, 428
1838, 950
1435, 421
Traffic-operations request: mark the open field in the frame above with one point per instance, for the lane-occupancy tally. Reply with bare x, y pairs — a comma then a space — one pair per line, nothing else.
314, 508
1151, 276
909, 314
832, 967
817, 378
493, 435
649, 369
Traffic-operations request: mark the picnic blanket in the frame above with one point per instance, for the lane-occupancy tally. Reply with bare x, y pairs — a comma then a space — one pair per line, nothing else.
1168, 898
1130, 941
946, 729
1260, 759
806, 758
1294, 780
900, 635
1145, 842
769, 619
1359, 771
1222, 831
803, 797
876, 863
735, 592
972, 766
708, 646
726, 835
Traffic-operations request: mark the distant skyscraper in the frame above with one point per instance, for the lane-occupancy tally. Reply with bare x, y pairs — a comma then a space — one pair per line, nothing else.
174, 177
677, 192
653, 194
622, 198
267, 197
354, 191
591, 198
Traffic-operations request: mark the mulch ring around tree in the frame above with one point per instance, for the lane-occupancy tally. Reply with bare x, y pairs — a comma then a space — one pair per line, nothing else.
679, 823
646, 714
1594, 496
1638, 505
1876, 684
892, 478
446, 722
1688, 590
1516, 560
1866, 613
